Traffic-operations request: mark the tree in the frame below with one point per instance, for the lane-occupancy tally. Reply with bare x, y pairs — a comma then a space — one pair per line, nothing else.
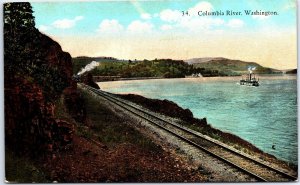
18, 31
25, 51
18, 16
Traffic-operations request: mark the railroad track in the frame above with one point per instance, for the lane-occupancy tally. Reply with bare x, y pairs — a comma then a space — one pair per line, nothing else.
257, 169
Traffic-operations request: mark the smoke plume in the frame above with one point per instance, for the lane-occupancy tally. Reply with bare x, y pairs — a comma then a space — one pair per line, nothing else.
88, 67
250, 69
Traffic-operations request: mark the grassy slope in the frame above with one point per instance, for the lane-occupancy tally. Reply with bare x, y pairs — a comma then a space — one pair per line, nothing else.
109, 129
125, 156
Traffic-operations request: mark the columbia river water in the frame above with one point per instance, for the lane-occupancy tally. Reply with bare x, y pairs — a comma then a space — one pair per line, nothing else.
264, 115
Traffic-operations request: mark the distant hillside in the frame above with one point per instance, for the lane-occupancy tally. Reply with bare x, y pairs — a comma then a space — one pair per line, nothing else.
165, 68
293, 71
81, 61
169, 68
204, 59
228, 67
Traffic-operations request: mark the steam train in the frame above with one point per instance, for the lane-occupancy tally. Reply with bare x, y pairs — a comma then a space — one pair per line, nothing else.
76, 78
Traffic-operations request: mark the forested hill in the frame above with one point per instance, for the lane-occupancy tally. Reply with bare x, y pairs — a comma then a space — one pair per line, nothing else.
135, 68
168, 68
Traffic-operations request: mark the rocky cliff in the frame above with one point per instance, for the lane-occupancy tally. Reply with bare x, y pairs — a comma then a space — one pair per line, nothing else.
30, 125
36, 71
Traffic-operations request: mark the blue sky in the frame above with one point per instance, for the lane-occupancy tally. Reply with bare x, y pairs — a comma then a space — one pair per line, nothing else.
127, 11
157, 29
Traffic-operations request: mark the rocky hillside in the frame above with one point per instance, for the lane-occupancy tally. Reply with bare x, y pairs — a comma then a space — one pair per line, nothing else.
36, 71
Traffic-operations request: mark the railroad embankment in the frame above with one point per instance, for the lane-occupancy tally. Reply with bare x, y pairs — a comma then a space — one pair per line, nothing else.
107, 148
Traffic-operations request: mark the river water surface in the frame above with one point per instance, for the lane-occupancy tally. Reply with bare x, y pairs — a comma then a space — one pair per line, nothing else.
264, 115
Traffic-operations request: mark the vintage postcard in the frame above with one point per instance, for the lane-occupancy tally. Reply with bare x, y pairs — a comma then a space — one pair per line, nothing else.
150, 91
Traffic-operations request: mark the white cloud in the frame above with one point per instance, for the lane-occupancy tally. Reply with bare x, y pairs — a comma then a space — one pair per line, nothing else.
139, 27
110, 26
202, 6
66, 23
170, 15
175, 19
145, 16
235, 23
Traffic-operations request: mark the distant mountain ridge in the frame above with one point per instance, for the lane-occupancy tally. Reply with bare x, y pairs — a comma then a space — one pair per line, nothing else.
207, 67
229, 67
204, 59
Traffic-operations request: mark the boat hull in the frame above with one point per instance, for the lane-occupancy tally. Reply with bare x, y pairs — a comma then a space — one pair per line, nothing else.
249, 83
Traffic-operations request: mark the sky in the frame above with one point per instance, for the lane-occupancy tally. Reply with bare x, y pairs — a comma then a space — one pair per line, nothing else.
159, 29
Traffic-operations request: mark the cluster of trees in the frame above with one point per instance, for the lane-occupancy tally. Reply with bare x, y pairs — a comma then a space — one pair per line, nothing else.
18, 30
127, 68
155, 68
